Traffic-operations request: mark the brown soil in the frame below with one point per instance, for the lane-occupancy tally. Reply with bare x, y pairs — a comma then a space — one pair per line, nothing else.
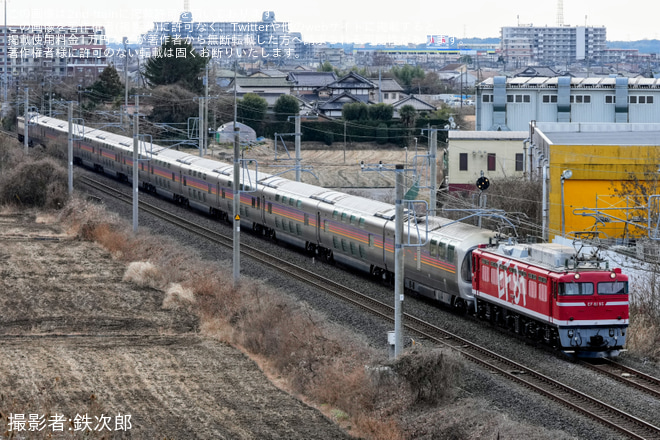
79, 341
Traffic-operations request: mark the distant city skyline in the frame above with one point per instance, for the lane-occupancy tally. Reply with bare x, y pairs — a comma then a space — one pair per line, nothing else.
349, 21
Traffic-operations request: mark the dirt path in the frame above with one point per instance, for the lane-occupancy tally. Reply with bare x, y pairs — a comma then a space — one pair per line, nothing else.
80, 344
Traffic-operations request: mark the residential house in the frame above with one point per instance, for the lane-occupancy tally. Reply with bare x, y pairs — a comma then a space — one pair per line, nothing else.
268, 88
389, 91
333, 107
419, 105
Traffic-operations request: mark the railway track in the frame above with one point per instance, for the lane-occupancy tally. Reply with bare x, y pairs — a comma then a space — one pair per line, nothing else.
629, 376
626, 424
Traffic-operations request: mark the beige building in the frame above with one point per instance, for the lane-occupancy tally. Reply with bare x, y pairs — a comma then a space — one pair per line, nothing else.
497, 154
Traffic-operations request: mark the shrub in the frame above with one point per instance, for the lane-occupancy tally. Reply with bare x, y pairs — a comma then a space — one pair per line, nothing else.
430, 375
38, 183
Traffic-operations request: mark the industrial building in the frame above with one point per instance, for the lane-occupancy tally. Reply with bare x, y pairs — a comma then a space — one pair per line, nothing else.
586, 169
512, 103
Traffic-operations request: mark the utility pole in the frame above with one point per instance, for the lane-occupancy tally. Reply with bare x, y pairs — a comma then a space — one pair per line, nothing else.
50, 97
298, 135
395, 338
201, 126
433, 151
236, 202
136, 142
236, 210
26, 122
398, 262
70, 149
125, 83
5, 73
206, 106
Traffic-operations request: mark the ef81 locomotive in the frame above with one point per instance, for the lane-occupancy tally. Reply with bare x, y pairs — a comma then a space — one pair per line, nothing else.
357, 231
552, 293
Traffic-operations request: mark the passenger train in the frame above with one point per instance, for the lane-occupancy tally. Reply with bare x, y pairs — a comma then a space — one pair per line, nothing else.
359, 232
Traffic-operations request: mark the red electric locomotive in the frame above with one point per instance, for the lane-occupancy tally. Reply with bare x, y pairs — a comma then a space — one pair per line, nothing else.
551, 293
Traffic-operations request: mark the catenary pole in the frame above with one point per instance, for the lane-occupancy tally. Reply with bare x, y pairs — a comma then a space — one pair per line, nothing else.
136, 141
398, 261
70, 149
26, 121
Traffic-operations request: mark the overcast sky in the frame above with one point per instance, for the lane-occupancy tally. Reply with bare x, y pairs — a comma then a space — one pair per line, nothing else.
407, 21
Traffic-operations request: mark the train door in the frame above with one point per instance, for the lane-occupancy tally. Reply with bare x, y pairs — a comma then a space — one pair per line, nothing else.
552, 297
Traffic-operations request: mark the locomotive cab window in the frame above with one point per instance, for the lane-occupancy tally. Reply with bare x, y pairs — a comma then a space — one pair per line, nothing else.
613, 288
571, 289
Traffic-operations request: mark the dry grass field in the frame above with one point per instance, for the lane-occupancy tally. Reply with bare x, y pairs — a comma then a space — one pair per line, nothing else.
79, 340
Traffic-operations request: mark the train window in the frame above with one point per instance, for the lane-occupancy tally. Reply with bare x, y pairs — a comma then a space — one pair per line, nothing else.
325, 225
362, 222
306, 219
450, 253
284, 199
613, 288
270, 208
344, 217
254, 202
576, 288
277, 222
258, 203
344, 245
362, 251
185, 181
291, 226
299, 203
172, 176
298, 229
204, 176
354, 250
277, 197
532, 277
543, 280
466, 268
442, 250
353, 219
223, 193
335, 214
292, 202
433, 248
204, 196
335, 242
531, 289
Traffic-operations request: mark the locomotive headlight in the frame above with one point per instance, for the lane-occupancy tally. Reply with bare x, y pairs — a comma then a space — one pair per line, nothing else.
570, 333
577, 276
612, 275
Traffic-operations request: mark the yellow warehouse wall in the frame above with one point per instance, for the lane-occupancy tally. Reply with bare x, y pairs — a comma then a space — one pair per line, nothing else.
598, 170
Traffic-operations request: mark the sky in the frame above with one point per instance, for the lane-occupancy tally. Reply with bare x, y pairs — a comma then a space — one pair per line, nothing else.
367, 21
